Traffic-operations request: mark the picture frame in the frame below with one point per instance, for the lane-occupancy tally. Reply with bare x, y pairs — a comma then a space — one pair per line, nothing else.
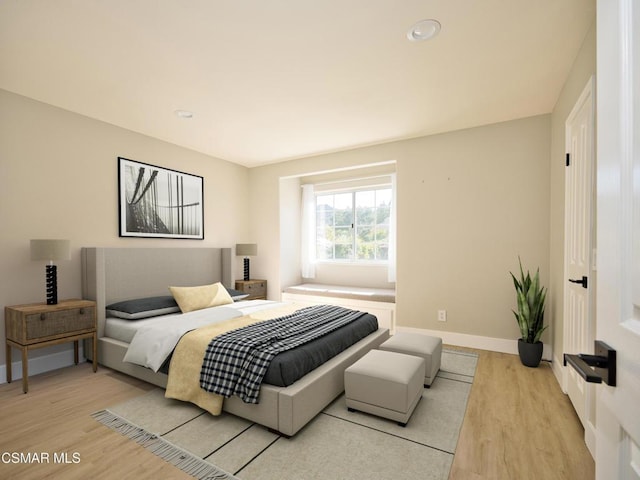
157, 202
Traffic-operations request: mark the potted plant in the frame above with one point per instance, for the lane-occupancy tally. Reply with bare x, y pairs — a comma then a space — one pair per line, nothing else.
530, 316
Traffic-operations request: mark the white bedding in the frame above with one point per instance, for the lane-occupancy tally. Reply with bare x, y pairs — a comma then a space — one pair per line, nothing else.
152, 340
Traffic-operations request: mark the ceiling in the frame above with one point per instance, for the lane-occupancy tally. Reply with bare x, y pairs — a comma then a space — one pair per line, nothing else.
272, 80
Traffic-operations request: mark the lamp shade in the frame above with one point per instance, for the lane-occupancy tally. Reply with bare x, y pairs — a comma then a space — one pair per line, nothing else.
50, 250
246, 249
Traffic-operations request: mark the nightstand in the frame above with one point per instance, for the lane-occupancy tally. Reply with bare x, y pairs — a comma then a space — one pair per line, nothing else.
40, 325
257, 289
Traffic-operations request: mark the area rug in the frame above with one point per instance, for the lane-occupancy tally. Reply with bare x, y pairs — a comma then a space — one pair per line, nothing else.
335, 444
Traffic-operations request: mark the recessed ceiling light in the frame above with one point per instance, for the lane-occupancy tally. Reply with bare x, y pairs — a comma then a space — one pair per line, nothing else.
184, 113
423, 30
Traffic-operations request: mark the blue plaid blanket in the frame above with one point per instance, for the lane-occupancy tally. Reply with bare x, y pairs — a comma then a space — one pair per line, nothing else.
235, 362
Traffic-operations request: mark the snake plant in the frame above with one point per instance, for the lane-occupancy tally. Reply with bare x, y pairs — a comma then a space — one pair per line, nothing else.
531, 297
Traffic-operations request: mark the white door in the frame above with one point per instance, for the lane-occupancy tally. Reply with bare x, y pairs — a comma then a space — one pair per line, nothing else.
579, 325
618, 297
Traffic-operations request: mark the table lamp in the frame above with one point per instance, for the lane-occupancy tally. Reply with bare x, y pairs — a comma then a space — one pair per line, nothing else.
50, 250
245, 250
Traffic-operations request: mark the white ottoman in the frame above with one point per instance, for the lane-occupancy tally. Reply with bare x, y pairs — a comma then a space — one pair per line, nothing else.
429, 348
385, 384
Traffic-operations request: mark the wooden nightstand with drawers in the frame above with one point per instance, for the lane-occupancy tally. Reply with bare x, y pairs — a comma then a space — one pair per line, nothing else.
40, 325
257, 289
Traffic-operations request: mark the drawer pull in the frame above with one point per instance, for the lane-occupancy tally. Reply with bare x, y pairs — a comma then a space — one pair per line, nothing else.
43, 316
82, 311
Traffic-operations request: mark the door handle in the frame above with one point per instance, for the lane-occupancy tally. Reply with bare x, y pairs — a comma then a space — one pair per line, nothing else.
597, 368
583, 281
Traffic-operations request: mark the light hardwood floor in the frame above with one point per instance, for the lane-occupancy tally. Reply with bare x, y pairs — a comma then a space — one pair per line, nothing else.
518, 425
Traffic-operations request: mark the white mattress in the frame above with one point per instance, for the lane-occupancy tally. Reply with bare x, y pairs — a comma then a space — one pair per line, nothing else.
124, 330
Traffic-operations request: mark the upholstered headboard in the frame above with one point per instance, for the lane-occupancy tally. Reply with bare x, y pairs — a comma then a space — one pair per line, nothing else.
114, 274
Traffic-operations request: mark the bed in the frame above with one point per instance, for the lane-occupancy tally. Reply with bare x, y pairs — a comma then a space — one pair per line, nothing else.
115, 274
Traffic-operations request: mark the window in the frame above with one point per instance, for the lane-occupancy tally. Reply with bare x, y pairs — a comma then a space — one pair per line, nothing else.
353, 226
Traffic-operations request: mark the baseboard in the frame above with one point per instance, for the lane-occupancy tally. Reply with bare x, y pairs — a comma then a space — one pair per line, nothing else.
560, 373
42, 364
493, 344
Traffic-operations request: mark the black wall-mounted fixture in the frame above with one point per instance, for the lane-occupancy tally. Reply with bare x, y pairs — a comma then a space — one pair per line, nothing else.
582, 281
603, 363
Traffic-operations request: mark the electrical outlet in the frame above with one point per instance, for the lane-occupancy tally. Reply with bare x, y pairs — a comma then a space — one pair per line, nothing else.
442, 315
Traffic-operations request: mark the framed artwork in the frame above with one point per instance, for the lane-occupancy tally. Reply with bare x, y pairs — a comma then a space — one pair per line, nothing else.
157, 202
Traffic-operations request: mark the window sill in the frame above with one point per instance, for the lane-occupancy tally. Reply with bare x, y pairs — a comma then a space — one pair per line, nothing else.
350, 263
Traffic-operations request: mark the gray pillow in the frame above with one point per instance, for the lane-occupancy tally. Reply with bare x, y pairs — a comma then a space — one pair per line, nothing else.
143, 308
237, 295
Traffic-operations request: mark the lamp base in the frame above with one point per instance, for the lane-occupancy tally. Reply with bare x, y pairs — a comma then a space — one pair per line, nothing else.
246, 269
52, 285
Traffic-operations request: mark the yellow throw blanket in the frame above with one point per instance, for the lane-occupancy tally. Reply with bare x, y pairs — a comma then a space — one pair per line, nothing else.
184, 371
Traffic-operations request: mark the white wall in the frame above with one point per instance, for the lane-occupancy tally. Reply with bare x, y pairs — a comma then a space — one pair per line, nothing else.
290, 227
58, 179
469, 203
354, 275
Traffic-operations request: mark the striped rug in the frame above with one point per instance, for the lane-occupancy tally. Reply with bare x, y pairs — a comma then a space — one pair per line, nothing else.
336, 444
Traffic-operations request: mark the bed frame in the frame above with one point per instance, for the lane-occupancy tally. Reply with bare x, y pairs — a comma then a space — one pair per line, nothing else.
115, 274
